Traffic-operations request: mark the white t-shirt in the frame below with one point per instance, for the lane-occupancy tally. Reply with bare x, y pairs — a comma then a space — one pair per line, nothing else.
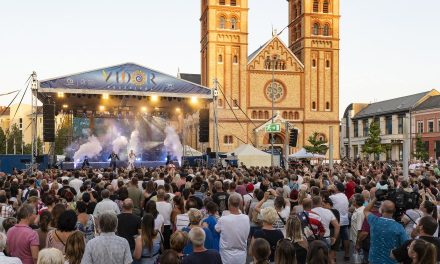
158, 222
165, 210
247, 198
182, 220
340, 203
357, 220
326, 217
234, 232
159, 182
76, 184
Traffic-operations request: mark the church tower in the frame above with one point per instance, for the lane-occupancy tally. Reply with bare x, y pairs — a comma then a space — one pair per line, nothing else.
314, 39
224, 50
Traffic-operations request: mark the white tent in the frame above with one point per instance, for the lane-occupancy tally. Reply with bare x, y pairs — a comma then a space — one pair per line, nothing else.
303, 154
190, 152
251, 156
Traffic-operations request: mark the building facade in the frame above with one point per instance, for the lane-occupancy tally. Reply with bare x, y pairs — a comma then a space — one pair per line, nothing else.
395, 119
426, 123
302, 77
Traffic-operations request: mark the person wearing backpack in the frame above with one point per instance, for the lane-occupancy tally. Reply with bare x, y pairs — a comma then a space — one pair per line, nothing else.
311, 222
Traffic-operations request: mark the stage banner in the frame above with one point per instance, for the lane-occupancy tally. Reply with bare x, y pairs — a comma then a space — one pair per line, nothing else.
127, 77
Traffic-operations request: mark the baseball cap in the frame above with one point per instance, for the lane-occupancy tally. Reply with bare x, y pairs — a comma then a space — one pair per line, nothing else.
250, 187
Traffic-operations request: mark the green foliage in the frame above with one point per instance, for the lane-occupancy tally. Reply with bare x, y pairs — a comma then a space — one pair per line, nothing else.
14, 137
62, 138
317, 146
2, 141
420, 152
373, 143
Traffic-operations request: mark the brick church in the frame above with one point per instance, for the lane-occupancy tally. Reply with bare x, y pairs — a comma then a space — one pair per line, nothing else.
305, 74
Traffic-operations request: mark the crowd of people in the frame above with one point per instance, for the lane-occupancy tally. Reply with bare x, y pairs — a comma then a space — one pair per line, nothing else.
234, 215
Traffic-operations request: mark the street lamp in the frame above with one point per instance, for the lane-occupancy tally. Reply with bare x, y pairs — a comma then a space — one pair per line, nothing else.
273, 63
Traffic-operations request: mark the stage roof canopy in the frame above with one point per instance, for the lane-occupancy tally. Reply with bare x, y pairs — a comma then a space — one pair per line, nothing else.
125, 79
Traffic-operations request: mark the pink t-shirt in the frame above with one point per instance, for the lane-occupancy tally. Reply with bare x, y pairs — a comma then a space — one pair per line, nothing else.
19, 241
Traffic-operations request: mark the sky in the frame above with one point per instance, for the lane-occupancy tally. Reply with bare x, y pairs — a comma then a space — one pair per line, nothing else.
389, 48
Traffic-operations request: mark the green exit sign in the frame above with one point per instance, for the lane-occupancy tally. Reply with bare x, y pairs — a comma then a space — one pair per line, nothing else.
273, 128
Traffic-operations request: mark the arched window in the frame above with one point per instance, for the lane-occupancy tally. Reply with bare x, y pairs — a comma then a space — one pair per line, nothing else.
228, 140
316, 6
254, 114
326, 30
296, 117
233, 2
235, 59
327, 105
313, 105
284, 114
222, 22
325, 6
327, 63
314, 63
231, 140
220, 102
235, 103
290, 115
267, 63
316, 29
221, 2
266, 114
233, 23
220, 58
260, 115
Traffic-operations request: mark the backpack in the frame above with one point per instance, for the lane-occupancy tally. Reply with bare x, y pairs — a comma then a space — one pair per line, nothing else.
311, 233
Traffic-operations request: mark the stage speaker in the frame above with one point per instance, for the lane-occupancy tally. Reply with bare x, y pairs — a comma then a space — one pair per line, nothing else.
49, 121
293, 137
204, 125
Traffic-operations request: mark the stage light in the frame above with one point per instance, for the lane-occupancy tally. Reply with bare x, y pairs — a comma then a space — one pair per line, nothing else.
194, 100
143, 109
101, 108
154, 98
178, 110
105, 96
65, 106
60, 94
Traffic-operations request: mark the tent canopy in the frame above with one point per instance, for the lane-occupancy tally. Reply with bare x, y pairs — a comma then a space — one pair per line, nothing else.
190, 152
251, 156
303, 154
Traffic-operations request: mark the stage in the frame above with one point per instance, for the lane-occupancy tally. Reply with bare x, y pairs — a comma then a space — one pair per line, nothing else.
120, 164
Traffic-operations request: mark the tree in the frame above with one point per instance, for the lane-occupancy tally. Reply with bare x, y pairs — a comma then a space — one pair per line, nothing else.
373, 142
317, 146
14, 136
62, 138
420, 152
2, 141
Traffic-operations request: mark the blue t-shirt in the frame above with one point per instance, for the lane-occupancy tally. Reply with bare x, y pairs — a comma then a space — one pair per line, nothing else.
386, 235
188, 249
212, 221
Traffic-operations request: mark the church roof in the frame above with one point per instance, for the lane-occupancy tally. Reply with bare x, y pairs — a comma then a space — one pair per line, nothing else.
191, 77
253, 54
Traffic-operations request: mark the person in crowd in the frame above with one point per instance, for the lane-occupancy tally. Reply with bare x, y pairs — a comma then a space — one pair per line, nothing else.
6, 210
129, 224
150, 208
86, 222
106, 205
285, 252
268, 232
135, 194
169, 256
8, 223
44, 228
295, 233
50, 256
386, 233
195, 218
426, 228
107, 244
340, 203
234, 231
178, 208
220, 197
22, 241
182, 220
57, 210
260, 252
327, 219
165, 209
3, 258
357, 217
427, 208
57, 238
75, 247
422, 252
178, 241
210, 223
318, 252
200, 254
149, 244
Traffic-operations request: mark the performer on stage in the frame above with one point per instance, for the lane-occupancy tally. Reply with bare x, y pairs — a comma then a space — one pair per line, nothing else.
131, 160
85, 162
113, 157
168, 158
